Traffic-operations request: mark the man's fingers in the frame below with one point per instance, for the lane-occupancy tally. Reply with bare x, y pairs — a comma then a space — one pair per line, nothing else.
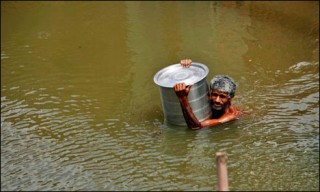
175, 87
185, 62
188, 62
188, 88
179, 86
182, 86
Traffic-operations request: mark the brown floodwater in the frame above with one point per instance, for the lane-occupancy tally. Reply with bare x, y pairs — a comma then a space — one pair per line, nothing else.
80, 110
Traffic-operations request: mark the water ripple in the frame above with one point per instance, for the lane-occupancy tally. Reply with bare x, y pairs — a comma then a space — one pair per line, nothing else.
80, 112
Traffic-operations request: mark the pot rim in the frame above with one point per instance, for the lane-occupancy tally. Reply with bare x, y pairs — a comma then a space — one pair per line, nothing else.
174, 68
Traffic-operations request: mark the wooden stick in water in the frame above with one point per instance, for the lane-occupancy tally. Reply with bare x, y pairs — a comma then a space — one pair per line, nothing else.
222, 171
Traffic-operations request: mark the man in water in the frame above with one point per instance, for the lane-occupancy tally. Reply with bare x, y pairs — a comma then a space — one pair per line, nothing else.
222, 90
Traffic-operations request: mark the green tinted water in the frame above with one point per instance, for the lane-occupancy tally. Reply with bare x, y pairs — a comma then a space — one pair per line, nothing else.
80, 110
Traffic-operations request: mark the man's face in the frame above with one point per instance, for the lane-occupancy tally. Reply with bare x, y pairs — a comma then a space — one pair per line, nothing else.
219, 100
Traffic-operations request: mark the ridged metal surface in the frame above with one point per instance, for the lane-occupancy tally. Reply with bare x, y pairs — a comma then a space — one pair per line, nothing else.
198, 99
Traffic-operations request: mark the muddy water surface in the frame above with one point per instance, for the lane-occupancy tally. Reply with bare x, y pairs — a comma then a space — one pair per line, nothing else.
80, 110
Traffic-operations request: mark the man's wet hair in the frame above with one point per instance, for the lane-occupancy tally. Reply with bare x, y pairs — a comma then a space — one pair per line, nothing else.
224, 83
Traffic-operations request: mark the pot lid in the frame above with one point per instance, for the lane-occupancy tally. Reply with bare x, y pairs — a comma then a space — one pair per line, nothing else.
169, 76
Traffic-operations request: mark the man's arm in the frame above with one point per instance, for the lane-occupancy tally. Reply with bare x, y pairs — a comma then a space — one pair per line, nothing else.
182, 92
188, 114
233, 114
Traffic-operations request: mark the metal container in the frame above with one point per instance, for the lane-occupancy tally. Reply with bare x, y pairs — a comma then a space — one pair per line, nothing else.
195, 75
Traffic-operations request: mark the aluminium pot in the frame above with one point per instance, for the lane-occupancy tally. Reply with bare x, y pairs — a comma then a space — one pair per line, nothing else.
195, 75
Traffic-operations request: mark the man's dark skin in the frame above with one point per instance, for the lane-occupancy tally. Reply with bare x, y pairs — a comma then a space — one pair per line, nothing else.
222, 109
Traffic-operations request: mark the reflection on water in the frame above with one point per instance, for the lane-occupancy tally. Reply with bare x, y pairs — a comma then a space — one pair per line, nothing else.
79, 109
